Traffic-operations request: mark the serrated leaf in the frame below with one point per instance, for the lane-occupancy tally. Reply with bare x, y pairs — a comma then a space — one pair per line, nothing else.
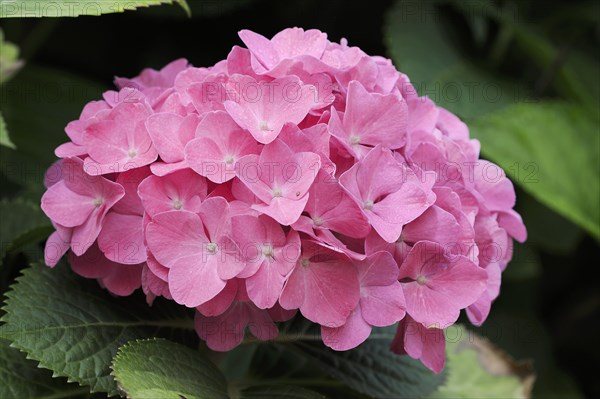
420, 47
73, 327
277, 392
159, 368
21, 224
373, 369
66, 8
552, 150
21, 378
478, 370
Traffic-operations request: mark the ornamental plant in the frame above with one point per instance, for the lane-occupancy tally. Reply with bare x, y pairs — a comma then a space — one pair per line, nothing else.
296, 175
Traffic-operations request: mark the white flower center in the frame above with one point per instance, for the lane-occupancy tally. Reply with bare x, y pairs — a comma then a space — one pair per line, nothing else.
267, 251
263, 125
132, 153
229, 159
211, 248
354, 139
277, 192
368, 205
305, 262
98, 201
317, 221
177, 204
421, 280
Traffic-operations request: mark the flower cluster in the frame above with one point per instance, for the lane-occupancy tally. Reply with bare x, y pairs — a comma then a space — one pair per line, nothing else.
297, 174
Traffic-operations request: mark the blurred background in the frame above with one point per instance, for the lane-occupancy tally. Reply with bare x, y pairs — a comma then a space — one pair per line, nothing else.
523, 74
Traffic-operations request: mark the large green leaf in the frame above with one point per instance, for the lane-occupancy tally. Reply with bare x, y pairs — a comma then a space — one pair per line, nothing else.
552, 151
421, 48
373, 369
37, 104
74, 328
159, 368
21, 378
21, 221
478, 370
66, 8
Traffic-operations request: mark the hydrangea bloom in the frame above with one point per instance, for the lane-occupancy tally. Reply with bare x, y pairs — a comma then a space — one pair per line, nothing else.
296, 175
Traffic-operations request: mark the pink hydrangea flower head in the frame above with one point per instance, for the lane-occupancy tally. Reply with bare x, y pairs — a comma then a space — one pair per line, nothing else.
295, 177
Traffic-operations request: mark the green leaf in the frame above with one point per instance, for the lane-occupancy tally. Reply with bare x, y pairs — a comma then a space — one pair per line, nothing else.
420, 47
9, 59
552, 151
23, 223
20, 378
73, 327
479, 370
277, 392
37, 105
66, 8
4, 137
373, 369
200, 9
159, 368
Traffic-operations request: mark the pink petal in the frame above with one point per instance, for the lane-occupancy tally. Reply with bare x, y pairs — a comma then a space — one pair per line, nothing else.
122, 239
170, 133
92, 264
265, 286
54, 249
348, 336
124, 279
175, 234
193, 280
222, 301
383, 306
263, 108
181, 190
325, 292
65, 206
436, 287
428, 345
